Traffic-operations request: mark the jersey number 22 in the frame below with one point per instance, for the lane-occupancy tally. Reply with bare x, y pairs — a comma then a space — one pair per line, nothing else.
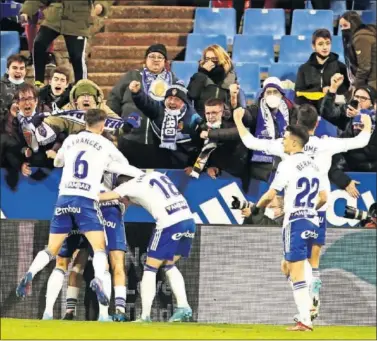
309, 192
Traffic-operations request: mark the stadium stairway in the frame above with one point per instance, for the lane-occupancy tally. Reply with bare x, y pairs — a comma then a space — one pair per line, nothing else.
120, 41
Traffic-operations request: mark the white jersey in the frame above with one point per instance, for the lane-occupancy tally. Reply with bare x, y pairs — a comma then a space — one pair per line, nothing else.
300, 178
85, 156
156, 193
320, 149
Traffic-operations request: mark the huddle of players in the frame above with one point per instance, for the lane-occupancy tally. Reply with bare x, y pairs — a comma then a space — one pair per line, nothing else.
302, 175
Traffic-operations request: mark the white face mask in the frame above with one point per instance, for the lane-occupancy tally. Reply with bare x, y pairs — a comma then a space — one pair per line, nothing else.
215, 125
273, 101
16, 81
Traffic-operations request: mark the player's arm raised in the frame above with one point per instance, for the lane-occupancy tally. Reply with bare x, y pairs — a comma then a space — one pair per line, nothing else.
59, 156
272, 147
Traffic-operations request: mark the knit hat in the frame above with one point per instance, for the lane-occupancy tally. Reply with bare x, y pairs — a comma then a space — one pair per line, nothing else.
273, 82
160, 48
86, 89
370, 90
177, 90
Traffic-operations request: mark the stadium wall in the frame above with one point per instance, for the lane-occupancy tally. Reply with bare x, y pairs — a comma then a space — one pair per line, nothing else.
232, 276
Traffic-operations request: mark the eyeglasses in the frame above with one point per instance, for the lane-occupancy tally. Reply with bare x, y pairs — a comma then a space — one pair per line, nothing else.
361, 99
154, 57
213, 113
27, 99
212, 59
272, 92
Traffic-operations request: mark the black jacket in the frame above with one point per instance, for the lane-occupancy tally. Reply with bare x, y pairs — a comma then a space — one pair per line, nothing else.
362, 159
46, 98
7, 91
214, 84
313, 77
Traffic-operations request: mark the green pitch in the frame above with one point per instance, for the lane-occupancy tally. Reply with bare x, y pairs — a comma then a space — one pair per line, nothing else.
65, 330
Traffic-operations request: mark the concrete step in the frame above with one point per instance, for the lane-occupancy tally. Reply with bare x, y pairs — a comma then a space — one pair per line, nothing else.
145, 2
145, 12
105, 79
128, 52
149, 25
114, 65
139, 39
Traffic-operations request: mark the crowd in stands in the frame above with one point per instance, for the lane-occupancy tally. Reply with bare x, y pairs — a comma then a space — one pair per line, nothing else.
158, 122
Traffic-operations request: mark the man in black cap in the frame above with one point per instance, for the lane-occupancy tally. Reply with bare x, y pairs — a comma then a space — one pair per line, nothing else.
155, 78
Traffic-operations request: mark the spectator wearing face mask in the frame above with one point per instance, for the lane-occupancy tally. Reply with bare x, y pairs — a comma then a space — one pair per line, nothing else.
56, 94
14, 77
347, 118
359, 42
214, 77
313, 77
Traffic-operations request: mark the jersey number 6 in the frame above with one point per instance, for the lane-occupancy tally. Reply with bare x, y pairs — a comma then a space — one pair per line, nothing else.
81, 167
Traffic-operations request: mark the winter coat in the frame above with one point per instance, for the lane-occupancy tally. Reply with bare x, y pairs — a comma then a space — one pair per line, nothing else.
66, 16
313, 77
213, 84
46, 98
120, 101
361, 55
7, 91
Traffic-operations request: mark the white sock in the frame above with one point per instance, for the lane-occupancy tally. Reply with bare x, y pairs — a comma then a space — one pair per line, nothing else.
303, 301
148, 290
100, 264
54, 285
177, 284
120, 292
40, 261
103, 309
72, 297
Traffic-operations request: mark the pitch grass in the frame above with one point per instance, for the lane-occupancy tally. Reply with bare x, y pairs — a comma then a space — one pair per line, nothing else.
67, 330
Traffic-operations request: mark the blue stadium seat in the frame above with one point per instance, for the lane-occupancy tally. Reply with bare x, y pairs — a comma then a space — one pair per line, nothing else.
295, 49
3, 66
9, 9
264, 22
305, 22
248, 77
9, 42
284, 71
184, 70
338, 7
368, 17
337, 47
216, 21
196, 43
254, 49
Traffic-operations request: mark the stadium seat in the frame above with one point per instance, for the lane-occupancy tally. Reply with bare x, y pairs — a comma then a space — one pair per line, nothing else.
264, 22
284, 71
3, 66
248, 77
338, 7
337, 47
184, 70
305, 22
368, 17
10, 43
216, 21
196, 43
254, 49
9, 9
295, 49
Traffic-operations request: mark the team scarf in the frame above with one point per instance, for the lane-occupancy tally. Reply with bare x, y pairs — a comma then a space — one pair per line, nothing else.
265, 128
155, 86
356, 121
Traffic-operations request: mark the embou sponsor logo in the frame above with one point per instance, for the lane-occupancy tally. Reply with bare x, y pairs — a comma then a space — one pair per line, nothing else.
68, 209
309, 234
108, 223
178, 236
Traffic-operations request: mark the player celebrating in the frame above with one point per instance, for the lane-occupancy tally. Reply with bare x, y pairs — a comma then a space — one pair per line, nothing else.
171, 239
322, 150
85, 157
301, 181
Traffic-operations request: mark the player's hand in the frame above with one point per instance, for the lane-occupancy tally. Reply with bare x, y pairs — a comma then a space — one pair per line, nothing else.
352, 190
25, 169
188, 170
204, 135
246, 212
213, 172
351, 111
238, 114
24, 18
236, 203
366, 121
336, 82
51, 154
135, 87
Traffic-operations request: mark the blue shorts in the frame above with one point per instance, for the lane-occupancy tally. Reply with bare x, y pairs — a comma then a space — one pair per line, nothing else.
321, 239
114, 227
298, 238
172, 241
77, 211
72, 243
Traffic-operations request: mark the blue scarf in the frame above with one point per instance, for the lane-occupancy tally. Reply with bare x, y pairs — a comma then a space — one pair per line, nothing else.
154, 85
265, 128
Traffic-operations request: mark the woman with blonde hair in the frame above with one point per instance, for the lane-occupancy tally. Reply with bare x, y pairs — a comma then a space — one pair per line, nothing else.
214, 77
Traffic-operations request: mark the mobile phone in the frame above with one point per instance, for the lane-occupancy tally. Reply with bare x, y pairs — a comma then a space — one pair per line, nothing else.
354, 103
